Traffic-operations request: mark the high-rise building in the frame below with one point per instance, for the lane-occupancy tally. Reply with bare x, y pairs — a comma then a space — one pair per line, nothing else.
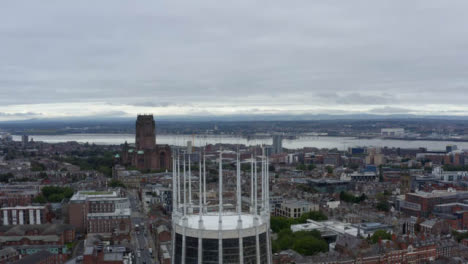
146, 155
450, 148
189, 147
277, 144
237, 235
24, 140
145, 135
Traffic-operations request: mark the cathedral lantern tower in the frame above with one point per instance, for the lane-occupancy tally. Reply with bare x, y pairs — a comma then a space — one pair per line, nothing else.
145, 136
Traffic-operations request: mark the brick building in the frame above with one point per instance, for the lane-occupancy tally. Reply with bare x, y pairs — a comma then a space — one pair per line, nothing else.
163, 234
164, 254
8, 255
455, 214
93, 256
146, 155
24, 215
421, 204
356, 251
455, 158
100, 212
46, 234
17, 195
42, 257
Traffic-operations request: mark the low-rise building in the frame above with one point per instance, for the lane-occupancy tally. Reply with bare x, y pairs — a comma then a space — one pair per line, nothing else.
163, 234
422, 204
8, 255
42, 257
340, 228
392, 132
106, 256
164, 254
23, 215
449, 176
17, 195
363, 176
295, 208
46, 234
103, 212
160, 195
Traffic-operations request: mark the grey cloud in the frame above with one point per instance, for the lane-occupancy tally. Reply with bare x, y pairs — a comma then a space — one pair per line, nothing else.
390, 110
363, 99
111, 114
238, 52
26, 114
156, 104
356, 98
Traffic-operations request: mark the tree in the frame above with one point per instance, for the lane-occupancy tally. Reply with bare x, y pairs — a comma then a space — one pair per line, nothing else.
68, 192
56, 194
301, 167
55, 198
459, 235
306, 188
349, 198
304, 242
448, 167
6, 177
380, 234
116, 183
245, 167
39, 199
105, 170
271, 168
309, 245
380, 197
35, 166
94, 159
285, 239
314, 215
383, 206
313, 233
278, 223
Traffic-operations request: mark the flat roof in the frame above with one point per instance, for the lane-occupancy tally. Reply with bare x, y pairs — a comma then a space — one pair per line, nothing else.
23, 207
47, 238
88, 250
117, 212
296, 203
113, 256
334, 226
96, 193
437, 194
211, 221
83, 195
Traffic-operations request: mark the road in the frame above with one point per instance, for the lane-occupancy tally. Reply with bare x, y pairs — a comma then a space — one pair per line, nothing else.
141, 239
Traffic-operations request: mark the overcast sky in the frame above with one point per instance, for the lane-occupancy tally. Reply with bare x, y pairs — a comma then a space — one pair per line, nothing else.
118, 58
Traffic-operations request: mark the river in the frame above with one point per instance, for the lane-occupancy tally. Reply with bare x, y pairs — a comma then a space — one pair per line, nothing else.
300, 142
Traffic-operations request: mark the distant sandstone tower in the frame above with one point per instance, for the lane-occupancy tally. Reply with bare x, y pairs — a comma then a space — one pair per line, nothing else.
145, 136
146, 155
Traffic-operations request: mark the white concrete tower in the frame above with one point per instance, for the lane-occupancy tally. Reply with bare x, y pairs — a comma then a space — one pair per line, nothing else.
218, 233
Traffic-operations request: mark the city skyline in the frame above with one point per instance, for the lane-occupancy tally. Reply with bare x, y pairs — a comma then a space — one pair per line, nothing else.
211, 58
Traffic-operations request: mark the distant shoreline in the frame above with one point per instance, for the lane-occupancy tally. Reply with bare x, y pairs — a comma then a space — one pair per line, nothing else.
253, 137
